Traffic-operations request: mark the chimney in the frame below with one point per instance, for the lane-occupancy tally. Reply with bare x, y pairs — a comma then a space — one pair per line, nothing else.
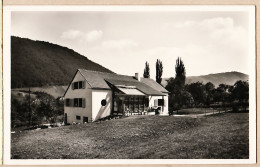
137, 76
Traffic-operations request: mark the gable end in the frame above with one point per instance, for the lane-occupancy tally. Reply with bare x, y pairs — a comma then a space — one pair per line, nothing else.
73, 79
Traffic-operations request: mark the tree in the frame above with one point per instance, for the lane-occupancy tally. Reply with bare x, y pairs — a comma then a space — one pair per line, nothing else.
224, 94
186, 99
230, 90
180, 75
210, 87
240, 92
221, 93
178, 98
159, 71
15, 108
146, 70
170, 85
173, 97
43, 110
19, 111
198, 92
48, 107
42, 105
178, 95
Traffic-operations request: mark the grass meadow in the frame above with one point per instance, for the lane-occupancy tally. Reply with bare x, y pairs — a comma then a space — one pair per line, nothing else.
219, 136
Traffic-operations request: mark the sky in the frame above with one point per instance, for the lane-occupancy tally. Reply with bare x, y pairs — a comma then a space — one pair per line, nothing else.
207, 41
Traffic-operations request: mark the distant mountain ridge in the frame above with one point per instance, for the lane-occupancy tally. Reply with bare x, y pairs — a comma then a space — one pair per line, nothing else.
228, 78
39, 63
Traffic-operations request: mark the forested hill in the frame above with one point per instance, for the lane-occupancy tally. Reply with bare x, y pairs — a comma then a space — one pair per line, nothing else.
228, 78
38, 63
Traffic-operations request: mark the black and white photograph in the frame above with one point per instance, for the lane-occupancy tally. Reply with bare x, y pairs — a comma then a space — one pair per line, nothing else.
129, 84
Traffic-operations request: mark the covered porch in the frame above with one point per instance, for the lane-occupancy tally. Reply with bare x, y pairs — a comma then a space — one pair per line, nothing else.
130, 105
128, 100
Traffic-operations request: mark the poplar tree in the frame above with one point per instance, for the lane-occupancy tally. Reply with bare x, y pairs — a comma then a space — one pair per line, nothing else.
178, 95
159, 71
180, 75
146, 70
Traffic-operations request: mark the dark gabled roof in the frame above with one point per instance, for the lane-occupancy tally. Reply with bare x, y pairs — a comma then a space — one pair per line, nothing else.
153, 84
97, 80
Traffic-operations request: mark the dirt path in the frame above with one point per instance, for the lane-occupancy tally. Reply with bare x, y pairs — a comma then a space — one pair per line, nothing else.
200, 115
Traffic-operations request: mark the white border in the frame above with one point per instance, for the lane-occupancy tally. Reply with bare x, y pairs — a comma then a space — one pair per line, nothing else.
7, 82
252, 84
132, 8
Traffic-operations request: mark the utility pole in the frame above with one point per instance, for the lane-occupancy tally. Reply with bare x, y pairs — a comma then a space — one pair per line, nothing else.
30, 111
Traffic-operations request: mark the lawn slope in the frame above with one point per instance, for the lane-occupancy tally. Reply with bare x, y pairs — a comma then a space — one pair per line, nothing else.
222, 136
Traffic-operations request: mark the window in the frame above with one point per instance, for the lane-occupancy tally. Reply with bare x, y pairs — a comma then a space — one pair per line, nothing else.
79, 102
136, 104
160, 102
76, 102
78, 117
78, 85
141, 104
103, 102
131, 103
67, 102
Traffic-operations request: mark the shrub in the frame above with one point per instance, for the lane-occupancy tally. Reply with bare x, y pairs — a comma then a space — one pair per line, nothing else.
235, 108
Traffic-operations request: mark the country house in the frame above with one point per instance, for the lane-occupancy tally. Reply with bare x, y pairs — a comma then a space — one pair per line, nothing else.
93, 95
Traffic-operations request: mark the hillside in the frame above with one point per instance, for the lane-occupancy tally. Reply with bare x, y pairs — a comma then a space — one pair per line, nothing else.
55, 91
228, 78
38, 63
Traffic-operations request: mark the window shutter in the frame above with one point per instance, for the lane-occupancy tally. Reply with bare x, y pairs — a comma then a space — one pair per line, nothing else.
83, 102
156, 102
66, 103
72, 86
83, 84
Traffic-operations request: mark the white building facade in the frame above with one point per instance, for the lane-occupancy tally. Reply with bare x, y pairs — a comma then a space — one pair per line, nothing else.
94, 95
